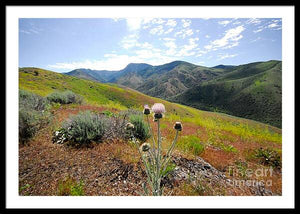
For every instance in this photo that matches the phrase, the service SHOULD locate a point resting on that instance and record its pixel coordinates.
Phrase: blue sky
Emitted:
(62, 45)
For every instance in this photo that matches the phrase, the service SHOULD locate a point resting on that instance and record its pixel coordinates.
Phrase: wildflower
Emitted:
(178, 126)
(146, 110)
(145, 147)
(158, 109)
(129, 126)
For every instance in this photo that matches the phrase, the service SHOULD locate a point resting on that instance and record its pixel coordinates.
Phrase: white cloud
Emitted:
(186, 23)
(159, 30)
(115, 62)
(229, 40)
(254, 21)
(170, 43)
(158, 21)
(134, 24)
(258, 30)
(169, 30)
(207, 36)
(184, 33)
(116, 19)
(171, 23)
(273, 25)
(144, 53)
(224, 23)
(189, 49)
(224, 56)
(32, 30)
(236, 23)
(25, 31)
(130, 41)
(201, 53)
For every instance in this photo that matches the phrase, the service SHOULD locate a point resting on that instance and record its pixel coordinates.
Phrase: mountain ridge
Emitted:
(183, 82)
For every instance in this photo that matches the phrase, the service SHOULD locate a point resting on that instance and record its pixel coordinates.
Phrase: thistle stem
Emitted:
(151, 133)
(167, 158)
(158, 157)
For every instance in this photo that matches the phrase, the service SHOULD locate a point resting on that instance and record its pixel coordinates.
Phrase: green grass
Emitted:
(191, 144)
(69, 187)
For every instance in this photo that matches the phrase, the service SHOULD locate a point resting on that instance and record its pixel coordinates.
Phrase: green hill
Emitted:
(85, 74)
(251, 91)
(44, 82)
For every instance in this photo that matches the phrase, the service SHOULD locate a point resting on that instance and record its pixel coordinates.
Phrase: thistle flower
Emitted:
(178, 126)
(129, 126)
(158, 109)
(145, 147)
(146, 110)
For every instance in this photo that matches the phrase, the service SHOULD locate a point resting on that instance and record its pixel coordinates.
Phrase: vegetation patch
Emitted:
(82, 129)
(65, 97)
(141, 130)
(191, 144)
(33, 114)
(268, 157)
(69, 187)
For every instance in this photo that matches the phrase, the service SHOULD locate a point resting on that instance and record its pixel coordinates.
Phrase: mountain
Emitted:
(167, 80)
(250, 91)
(95, 75)
(85, 74)
(161, 81)
(224, 66)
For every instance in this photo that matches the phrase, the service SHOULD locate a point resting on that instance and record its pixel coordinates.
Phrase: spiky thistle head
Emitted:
(146, 110)
(178, 126)
(158, 110)
(129, 126)
(145, 147)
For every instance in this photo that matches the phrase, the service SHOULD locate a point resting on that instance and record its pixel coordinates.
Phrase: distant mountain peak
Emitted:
(223, 66)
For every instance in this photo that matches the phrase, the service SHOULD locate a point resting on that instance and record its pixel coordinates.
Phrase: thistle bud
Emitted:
(145, 147)
(158, 116)
(129, 126)
(146, 110)
(178, 126)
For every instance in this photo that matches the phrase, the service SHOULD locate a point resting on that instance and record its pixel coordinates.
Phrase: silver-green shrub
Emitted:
(33, 114)
(141, 130)
(84, 128)
(65, 97)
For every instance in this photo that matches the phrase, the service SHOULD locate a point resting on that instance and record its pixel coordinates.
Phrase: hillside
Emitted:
(96, 75)
(113, 168)
(85, 74)
(161, 81)
(169, 79)
(251, 91)
(256, 87)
